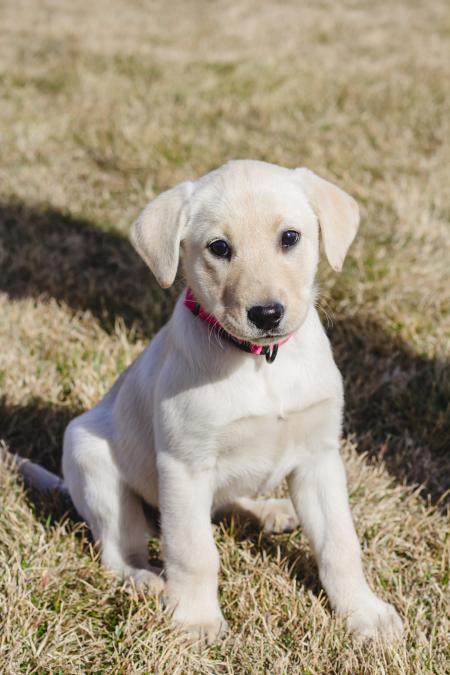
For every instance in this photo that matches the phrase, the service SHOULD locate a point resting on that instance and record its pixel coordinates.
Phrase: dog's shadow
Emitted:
(288, 549)
(397, 402)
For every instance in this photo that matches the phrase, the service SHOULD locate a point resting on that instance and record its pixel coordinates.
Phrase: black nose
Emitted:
(266, 316)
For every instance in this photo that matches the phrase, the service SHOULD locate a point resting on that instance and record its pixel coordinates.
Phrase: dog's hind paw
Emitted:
(147, 581)
(278, 515)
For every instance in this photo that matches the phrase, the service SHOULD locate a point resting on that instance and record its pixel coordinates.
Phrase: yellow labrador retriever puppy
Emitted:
(236, 393)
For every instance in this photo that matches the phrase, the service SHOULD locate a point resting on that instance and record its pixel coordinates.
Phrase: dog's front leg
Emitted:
(319, 493)
(190, 555)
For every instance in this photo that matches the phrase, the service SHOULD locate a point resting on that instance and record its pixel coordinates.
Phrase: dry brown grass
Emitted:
(103, 105)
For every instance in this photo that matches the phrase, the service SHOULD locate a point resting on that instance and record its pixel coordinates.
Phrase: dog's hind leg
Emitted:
(112, 510)
(273, 515)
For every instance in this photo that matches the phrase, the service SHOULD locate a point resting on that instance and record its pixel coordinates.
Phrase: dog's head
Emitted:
(250, 236)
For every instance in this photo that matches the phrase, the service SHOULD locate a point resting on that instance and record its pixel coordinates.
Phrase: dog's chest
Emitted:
(258, 446)
(256, 453)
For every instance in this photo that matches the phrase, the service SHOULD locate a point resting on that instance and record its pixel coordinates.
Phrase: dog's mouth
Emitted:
(264, 339)
(269, 338)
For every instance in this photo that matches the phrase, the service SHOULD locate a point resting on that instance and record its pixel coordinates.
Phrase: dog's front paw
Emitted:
(200, 624)
(205, 632)
(374, 618)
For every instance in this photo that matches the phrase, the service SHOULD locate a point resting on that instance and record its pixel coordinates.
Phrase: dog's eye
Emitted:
(220, 248)
(289, 238)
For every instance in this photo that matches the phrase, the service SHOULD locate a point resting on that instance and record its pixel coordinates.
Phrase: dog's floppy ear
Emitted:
(157, 233)
(337, 213)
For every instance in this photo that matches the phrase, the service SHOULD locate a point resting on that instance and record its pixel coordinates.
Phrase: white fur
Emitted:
(195, 426)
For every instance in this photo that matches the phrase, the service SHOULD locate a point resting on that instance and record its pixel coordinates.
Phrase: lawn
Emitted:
(103, 105)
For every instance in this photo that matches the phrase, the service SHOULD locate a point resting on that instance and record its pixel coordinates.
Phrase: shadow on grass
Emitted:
(398, 403)
(283, 547)
(35, 430)
(46, 253)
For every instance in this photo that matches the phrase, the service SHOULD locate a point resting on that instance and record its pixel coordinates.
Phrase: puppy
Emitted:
(237, 392)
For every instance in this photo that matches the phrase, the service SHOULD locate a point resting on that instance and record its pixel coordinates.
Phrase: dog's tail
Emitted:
(35, 476)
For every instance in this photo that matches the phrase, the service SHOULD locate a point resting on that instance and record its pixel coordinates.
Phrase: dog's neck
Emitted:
(269, 351)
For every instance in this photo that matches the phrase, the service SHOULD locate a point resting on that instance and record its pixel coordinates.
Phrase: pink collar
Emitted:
(269, 351)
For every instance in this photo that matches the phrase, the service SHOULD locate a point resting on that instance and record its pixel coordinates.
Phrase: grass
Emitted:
(102, 106)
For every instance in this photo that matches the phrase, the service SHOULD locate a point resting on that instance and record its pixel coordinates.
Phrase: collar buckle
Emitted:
(271, 353)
